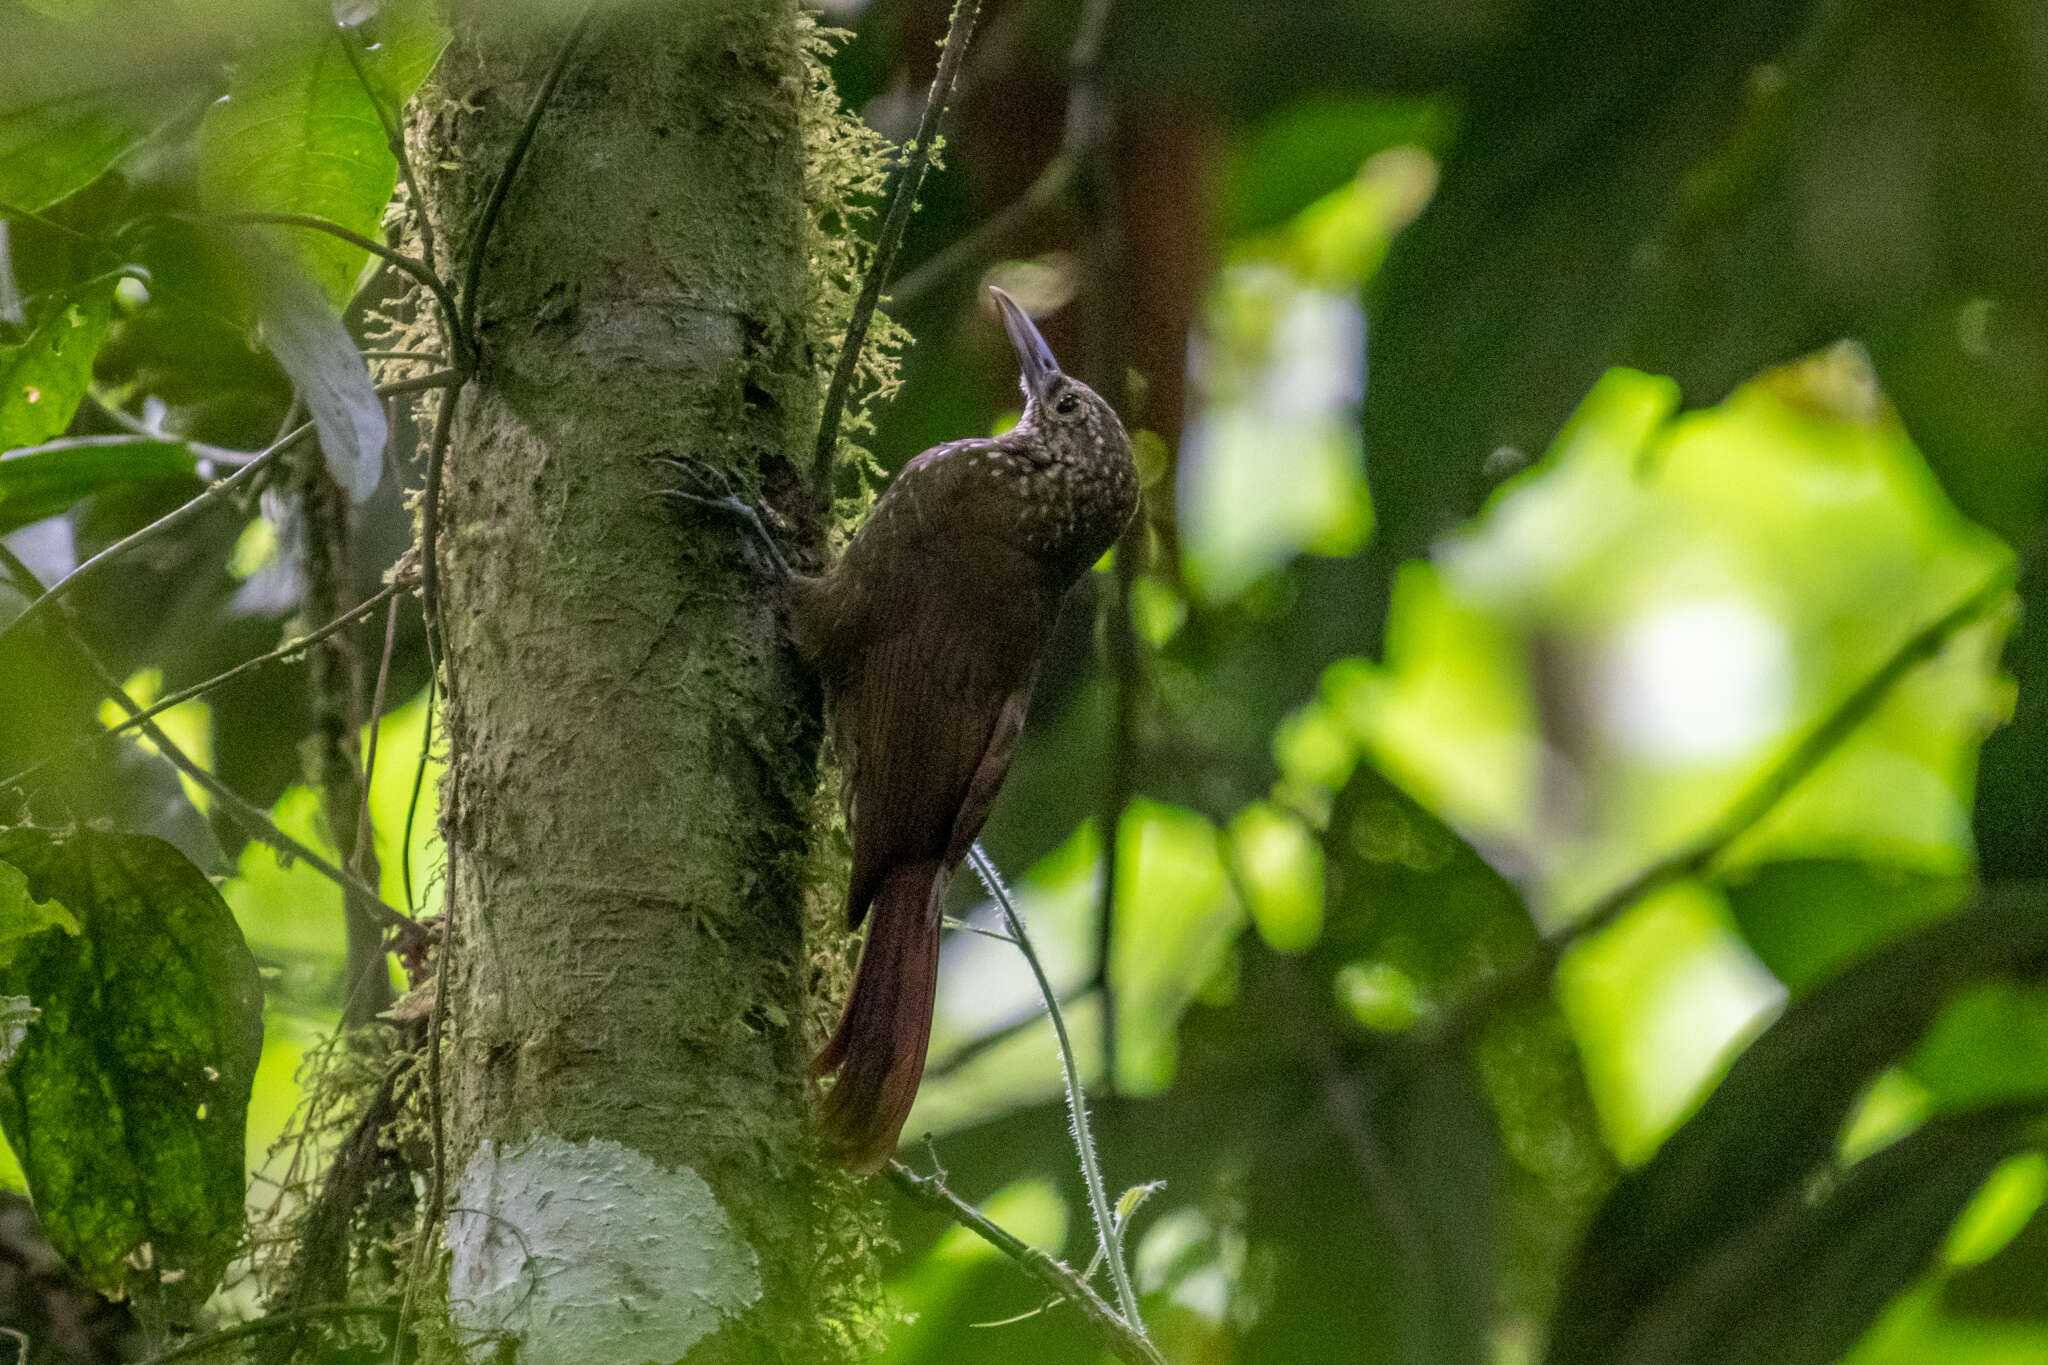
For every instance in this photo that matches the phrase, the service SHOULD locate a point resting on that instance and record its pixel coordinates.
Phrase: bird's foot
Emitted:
(702, 486)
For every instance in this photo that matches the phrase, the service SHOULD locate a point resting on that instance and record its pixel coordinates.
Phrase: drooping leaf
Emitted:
(297, 132)
(51, 150)
(44, 376)
(1803, 1283)
(303, 331)
(42, 481)
(127, 1100)
(1768, 1130)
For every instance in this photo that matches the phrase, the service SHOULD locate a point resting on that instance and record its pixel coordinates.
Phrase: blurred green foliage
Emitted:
(1582, 402)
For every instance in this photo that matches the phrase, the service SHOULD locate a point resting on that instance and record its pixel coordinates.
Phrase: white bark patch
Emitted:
(589, 1251)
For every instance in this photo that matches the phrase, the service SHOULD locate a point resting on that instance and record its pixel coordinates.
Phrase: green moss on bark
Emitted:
(629, 807)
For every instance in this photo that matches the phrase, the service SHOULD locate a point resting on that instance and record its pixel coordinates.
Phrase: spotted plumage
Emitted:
(927, 634)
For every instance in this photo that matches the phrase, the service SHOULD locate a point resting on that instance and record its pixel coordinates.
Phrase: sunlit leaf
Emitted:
(44, 376)
(297, 132)
(51, 150)
(126, 1102)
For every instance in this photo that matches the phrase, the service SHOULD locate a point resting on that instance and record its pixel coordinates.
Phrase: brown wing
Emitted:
(932, 707)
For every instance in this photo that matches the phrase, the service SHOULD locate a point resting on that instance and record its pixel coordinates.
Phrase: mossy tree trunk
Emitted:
(633, 749)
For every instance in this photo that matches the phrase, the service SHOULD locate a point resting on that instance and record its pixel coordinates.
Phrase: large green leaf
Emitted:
(297, 132)
(1768, 1131)
(44, 376)
(127, 1100)
(1703, 189)
(54, 149)
(44, 480)
(1805, 1281)
(1808, 918)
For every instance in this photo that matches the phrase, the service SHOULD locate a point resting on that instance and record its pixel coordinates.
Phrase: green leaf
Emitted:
(2011, 1285)
(51, 150)
(43, 378)
(127, 1101)
(1807, 1280)
(22, 916)
(1809, 918)
(44, 480)
(1767, 1132)
(297, 133)
(303, 331)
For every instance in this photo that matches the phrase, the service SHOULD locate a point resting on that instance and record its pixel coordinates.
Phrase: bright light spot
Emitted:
(1699, 681)
(35, 395)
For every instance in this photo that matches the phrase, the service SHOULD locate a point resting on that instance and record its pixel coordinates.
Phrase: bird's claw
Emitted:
(713, 491)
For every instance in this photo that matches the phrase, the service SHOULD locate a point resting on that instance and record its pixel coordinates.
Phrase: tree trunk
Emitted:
(633, 748)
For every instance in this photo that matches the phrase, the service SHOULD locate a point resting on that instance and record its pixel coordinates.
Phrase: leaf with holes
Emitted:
(126, 1103)
(44, 376)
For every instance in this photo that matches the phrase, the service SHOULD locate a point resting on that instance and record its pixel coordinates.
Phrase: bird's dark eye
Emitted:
(1068, 402)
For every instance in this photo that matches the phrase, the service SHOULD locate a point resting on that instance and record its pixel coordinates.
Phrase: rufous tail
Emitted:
(878, 1049)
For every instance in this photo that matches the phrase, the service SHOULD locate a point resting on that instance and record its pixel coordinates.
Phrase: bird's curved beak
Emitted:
(1035, 358)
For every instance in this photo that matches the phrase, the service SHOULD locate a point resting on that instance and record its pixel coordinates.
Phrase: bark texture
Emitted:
(633, 747)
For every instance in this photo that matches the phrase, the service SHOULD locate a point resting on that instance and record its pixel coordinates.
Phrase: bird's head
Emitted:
(1066, 414)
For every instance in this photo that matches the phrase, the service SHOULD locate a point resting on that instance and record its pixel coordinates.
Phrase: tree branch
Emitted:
(1125, 1342)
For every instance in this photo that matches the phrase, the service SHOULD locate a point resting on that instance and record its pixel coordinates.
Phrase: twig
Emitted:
(1747, 810)
(419, 270)
(177, 517)
(439, 379)
(334, 686)
(183, 695)
(488, 219)
(986, 239)
(1052, 183)
(394, 138)
(184, 512)
(258, 825)
(430, 533)
(1125, 1342)
(412, 806)
(958, 31)
(1106, 363)
(137, 435)
(1001, 1033)
(437, 1177)
(275, 1322)
(365, 835)
(1107, 1235)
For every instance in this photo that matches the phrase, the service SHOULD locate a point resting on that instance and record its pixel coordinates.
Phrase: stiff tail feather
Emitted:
(878, 1049)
